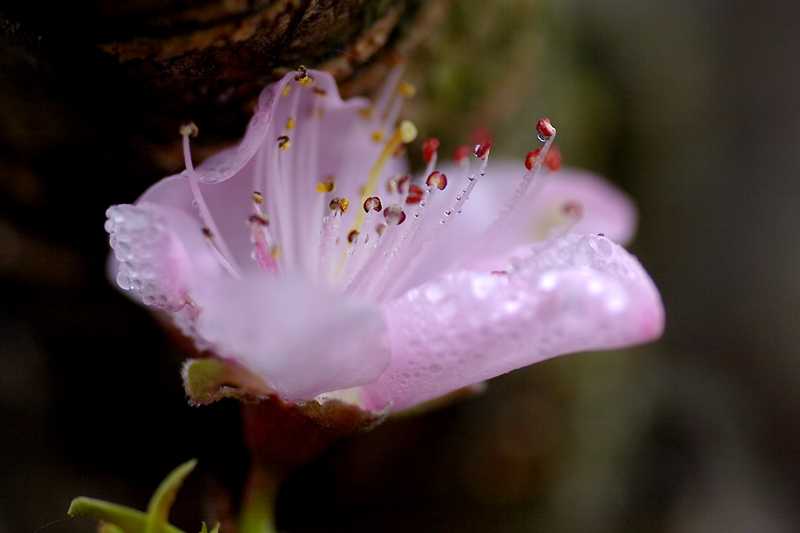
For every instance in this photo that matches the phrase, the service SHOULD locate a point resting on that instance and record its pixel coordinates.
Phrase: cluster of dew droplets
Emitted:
(384, 247)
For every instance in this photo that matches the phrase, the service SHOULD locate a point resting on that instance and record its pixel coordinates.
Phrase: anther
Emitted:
(320, 92)
(283, 142)
(482, 150)
(189, 129)
(352, 236)
(572, 209)
(437, 179)
(260, 220)
(398, 183)
(545, 129)
(377, 135)
(552, 159)
(408, 131)
(207, 233)
(461, 153)
(329, 185)
(372, 203)
(303, 78)
(394, 215)
(258, 198)
(429, 149)
(286, 90)
(290, 124)
(406, 89)
(339, 205)
(415, 193)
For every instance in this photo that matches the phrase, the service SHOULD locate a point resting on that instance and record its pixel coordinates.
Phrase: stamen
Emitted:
(437, 179)
(330, 236)
(489, 236)
(209, 235)
(415, 193)
(545, 129)
(258, 198)
(283, 142)
(329, 185)
(303, 78)
(223, 254)
(461, 154)
(291, 123)
(394, 215)
(352, 236)
(372, 203)
(405, 133)
(482, 150)
(429, 148)
(573, 213)
(265, 252)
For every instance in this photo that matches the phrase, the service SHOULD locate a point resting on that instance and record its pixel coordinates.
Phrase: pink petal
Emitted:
(302, 338)
(571, 294)
(158, 253)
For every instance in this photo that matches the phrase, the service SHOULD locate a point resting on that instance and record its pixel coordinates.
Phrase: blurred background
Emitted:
(691, 106)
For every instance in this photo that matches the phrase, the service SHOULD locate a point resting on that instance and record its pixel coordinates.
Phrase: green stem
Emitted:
(258, 506)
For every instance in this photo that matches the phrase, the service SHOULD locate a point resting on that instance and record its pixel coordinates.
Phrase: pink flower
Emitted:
(307, 255)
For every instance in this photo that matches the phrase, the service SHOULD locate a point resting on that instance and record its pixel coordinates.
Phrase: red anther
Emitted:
(415, 193)
(481, 135)
(394, 214)
(553, 158)
(530, 159)
(373, 203)
(461, 153)
(403, 183)
(483, 150)
(259, 220)
(572, 209)
(544, 127)
(429, 149)
(437, 179)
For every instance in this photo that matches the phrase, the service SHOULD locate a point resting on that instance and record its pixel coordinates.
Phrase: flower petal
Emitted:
(302, 338)
(156, 253)
(571, 294)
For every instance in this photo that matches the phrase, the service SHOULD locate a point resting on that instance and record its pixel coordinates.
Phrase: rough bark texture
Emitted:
(145, 66)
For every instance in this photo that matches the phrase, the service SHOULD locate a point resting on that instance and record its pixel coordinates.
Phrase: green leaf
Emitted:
(164, 497)
(116, 517)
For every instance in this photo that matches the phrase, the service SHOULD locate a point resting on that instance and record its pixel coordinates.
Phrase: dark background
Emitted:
(692, 107)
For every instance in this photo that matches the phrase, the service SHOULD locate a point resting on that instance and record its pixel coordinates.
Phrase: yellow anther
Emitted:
(276, 252)
(290, 124)
(286, 90)
(329, 185)
(305, 81)
(283, 142)
(408, 131)
(189, 129)
(366, 112)
(339, 204)
(258, 198)
(377, 135)
(406, 89)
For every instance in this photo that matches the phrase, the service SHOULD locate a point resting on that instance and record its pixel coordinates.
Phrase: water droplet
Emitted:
(542, 138)
(123, 281)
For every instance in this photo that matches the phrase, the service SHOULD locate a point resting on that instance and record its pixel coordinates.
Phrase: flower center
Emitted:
(304, 223)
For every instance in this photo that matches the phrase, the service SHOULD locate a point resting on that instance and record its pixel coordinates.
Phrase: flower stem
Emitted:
(258, 505)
